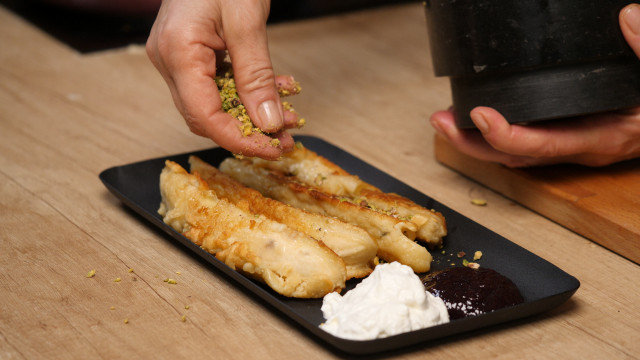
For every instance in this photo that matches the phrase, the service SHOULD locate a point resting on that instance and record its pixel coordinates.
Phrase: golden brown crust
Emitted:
(393, 235)
(350, 242)
(291, 263)
(311, 169)
(432, 226)
(314, 170)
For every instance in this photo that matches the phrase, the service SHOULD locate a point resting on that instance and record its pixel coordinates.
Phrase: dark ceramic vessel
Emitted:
(533, 59)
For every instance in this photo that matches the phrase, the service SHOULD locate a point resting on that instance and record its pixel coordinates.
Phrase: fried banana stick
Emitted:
(350, 242)
(393, 235)
(290, 262)
(314, 170)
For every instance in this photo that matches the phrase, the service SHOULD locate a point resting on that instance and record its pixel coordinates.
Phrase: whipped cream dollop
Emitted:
(392, 300)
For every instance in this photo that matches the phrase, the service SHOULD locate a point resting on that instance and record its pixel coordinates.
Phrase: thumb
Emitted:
(246, 40)
(630, 25)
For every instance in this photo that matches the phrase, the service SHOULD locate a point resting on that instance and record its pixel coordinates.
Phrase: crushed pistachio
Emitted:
(178, 272)
(474, 265)
(186, 307)
(274, 142)
(126, 321)
(465, 262)
(91, 273)
(294, 91)
(287, 106)
(299, 145)
(112, 308)
(130, 270)
(461, 254)
(117, 279)
(171, 281)
(231, 102)
(477, 255)
(443, 252)
(479, 202)
(233, 106)
(183, 318)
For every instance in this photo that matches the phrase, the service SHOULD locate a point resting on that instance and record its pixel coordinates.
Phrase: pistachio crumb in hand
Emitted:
(233, 106)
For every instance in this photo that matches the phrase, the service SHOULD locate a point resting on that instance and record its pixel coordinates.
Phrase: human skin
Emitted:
(595, 140)
(188, 38)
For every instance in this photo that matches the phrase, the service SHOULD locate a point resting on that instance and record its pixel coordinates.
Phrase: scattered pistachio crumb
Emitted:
(461, 254)
(477, 255)
(186, 307)
(473, 265)
(443, 252)
(299, 145)
(165, 280)
(183, 318)
(479, 202)
(91, 273)
(117, 279)
(274, 142)
(112, 308)
(465, 262)
(130, 270)
(178, 272)
(453, 264)
(171, 281)
(126, 321)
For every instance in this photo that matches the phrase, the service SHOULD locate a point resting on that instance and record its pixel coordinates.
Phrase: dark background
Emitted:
(88, 30)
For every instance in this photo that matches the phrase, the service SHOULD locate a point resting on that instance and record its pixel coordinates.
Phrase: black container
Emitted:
(533, 59)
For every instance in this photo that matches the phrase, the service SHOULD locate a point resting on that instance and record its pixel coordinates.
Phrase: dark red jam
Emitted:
(468, 292)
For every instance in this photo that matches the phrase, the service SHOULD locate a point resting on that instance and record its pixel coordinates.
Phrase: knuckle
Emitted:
(258, 76)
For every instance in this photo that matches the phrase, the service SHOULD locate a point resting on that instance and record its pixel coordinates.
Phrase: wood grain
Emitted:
(367, 87)
(602, 204)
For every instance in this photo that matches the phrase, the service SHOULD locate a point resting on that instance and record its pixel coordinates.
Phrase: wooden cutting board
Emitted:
(601, 204)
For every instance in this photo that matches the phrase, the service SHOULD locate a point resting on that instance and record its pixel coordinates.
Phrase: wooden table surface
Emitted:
(367, 87)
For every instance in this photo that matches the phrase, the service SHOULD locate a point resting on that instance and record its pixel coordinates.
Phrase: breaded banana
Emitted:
(393, 235)
(314, 170)
(290, 262)
(351, 243)
(431, 225)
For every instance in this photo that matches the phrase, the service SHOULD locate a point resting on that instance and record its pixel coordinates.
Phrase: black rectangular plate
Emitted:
(542, 284)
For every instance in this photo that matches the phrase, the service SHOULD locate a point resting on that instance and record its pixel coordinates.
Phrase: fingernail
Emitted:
(436, 125)
(631, 16)
(481, 122)
(270, 116)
